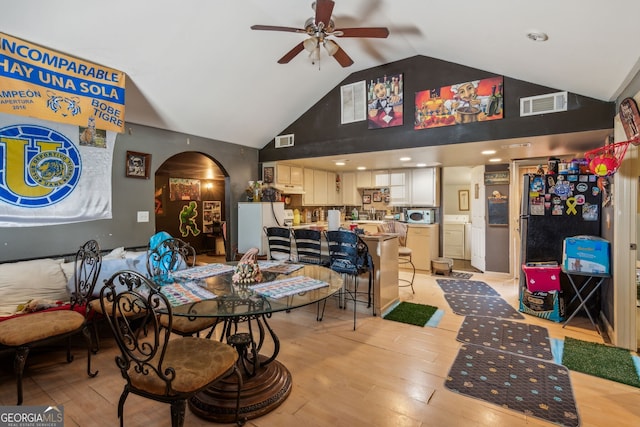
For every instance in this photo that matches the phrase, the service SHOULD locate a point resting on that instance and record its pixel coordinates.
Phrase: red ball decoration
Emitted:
(604, 165)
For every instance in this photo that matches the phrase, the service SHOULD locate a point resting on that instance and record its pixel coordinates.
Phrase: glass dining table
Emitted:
(244, 311)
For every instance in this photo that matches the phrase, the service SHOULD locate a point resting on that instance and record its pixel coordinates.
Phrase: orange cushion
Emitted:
(34, 327)
(197, 362)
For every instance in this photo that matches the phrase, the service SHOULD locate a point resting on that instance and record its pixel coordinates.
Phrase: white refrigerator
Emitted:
(252, 218)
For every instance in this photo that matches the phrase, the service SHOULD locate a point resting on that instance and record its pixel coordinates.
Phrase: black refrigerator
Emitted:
(553, 208)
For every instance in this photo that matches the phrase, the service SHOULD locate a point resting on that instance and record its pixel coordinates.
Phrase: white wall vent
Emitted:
(543, 104)
(284, 141)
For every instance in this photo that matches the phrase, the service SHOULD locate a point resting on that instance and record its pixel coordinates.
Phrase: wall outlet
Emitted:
(143, 216)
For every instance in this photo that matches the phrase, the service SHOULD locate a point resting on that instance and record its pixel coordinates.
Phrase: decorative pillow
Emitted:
(109, 268)
(69, 269)
(117, 253)
(134, 254)
(26, 280)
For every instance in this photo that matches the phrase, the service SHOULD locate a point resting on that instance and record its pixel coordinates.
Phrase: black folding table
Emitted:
(589, 278)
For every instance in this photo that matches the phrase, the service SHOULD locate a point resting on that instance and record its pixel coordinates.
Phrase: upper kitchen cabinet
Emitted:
(349, 190)
(288, 179)
(283, 174)
(380, 179)
(333, 196)
(399, 187)
(308, 198)
(364, 179)
(425, 191)
(320, 187)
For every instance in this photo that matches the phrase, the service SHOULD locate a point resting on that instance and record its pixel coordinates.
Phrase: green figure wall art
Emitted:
(188, 216)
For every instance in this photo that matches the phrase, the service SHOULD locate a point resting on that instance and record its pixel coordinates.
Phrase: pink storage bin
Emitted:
(542, 278)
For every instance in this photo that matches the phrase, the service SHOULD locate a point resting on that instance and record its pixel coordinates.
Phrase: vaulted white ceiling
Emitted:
(195, 66)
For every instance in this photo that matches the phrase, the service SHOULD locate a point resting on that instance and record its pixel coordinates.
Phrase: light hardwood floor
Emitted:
(383, 374)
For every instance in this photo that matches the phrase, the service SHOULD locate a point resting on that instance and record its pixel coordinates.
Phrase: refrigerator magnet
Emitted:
(582, 187)
(580, 199)
(590, 212)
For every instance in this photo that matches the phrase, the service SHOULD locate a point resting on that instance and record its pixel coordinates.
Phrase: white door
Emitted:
(515, 203)
(478, 218)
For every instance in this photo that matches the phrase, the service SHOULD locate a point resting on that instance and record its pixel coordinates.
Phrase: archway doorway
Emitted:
(190, 194)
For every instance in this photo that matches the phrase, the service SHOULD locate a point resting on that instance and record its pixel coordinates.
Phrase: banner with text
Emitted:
(53, 173)
(49, 85)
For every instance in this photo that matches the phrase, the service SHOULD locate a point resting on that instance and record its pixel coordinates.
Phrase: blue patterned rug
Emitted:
(531, 386)
(515, 337)
(467, 287)
(476, 305)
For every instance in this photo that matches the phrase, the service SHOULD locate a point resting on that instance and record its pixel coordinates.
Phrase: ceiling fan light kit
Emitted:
(319, 28)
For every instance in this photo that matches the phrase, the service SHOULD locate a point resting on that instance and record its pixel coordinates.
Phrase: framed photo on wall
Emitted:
(366, 199)
(268, 175)
(137, 165)
(463, 200)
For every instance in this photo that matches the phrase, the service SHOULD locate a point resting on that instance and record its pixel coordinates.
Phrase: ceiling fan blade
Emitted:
(342, 57)
(324, 9)
(374, 32)
(275, 28)
(291, 54)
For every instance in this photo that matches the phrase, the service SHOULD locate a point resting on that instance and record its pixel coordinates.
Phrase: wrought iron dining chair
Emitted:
(404, 253)
(153, 365)
(171, 255)
(25, 332)
(350, 256)
(279, 240)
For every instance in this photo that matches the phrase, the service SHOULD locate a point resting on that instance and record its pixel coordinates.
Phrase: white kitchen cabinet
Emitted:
(380, 178)
(364, 179)
(296, 176)
(399, 188)
(424, 187)
(349, 190)
(320, 187)
(283, 174)
(308, 196)
(424, 243)
(333, 197)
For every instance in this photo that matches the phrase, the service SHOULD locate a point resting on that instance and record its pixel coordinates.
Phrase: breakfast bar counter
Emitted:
(383, 248)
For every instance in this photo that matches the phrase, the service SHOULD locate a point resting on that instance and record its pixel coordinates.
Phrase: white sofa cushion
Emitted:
(26, 280)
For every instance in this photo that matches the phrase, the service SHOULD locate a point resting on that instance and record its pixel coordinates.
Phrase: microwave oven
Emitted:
(420, 216)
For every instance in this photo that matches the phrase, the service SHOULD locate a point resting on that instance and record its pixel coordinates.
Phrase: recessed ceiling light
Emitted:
(495, 160)
(488, 152)
(421, 165)
(340, 163)
(405, 159)
(361, 168)
(537, 36)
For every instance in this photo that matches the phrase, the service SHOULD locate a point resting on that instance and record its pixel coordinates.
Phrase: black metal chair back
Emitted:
(349, 255)
(279, 239)
(309, 246)
(153, 365)
(87, 266)
(170, 255)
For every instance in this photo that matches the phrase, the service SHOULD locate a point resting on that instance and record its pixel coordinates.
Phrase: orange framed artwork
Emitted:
(461, 103)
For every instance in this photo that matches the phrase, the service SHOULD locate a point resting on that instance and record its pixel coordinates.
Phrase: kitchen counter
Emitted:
(383, 248)
(421, 225)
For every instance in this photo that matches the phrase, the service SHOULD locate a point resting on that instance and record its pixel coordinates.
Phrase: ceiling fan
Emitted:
(319, 28)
